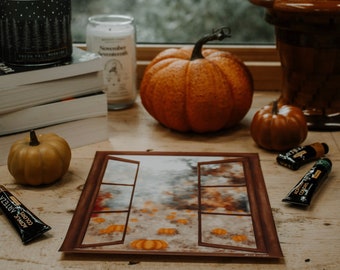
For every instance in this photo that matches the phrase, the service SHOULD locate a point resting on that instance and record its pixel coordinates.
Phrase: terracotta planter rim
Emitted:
(319, 6)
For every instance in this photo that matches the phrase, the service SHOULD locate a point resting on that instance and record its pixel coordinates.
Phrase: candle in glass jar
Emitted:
(113, 37)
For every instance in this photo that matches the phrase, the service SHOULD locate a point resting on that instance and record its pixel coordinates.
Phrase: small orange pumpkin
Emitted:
(197, 90)
(279, 127)
(149, 244)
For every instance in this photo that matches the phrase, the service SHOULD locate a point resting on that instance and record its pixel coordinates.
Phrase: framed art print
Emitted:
(167, 203)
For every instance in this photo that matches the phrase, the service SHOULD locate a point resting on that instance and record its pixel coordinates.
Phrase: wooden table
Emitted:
(310, 238)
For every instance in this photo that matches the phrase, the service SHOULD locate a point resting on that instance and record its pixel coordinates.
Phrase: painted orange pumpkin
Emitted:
(197, 90)
(239, 238)
(98, 219)
(149, 244)
(279, 127)
(167, 231)
(219, 231)
(182, 221)
(114, 228)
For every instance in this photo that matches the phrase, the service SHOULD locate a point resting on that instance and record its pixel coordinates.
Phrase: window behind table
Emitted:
(179, 21)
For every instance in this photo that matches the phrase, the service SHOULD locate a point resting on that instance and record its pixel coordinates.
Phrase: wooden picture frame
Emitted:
(174, 204)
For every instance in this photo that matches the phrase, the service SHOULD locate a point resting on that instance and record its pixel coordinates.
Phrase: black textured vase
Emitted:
(35, 32)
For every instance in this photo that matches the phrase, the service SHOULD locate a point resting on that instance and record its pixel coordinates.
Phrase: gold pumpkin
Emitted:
(197, 90)
(39, 160)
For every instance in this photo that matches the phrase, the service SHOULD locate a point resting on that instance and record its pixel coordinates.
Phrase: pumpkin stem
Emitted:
(218, 34)
(33, 139)
(275, 108)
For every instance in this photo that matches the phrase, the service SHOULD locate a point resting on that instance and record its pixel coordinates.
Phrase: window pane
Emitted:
(180, 21)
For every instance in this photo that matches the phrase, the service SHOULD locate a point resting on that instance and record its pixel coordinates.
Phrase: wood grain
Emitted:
(309, 238)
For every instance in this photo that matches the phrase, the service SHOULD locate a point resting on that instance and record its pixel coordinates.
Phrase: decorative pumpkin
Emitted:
(219, 231)
(239, 238)
(167, 231)
(114, 228)
(149, 244)
(197, 90)
(279, 127)
(39, 160)
(182, 221)
(99, 219)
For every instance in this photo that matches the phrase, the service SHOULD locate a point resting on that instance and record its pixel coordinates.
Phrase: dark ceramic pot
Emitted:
(308, 40)
(35, 32)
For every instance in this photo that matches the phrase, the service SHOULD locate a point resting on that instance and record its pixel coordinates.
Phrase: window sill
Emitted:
(263, 61)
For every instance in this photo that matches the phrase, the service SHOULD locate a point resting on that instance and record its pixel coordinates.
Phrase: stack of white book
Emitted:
(66, 99)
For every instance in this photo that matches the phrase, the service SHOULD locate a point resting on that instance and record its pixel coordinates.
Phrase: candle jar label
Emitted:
(118, 66)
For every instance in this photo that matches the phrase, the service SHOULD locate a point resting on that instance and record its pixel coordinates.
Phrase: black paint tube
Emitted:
(303, 192)
(28, 225)
(296, 157)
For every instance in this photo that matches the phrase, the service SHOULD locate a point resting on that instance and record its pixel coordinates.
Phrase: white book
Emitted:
(82, 62)
(77, 133)
(15, 98)
(54, 113)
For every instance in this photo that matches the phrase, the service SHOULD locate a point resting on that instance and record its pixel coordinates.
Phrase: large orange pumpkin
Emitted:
(197, 90)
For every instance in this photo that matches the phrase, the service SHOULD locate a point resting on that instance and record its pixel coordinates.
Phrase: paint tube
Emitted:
(296, 157)
(303, 192)
(28, 225)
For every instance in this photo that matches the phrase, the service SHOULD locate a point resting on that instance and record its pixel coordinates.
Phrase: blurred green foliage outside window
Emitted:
(179, 21)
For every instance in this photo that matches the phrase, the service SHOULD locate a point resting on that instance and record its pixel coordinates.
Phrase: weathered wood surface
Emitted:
(310, 238)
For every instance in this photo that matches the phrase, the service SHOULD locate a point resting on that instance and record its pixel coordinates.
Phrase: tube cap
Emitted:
(325, 147)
